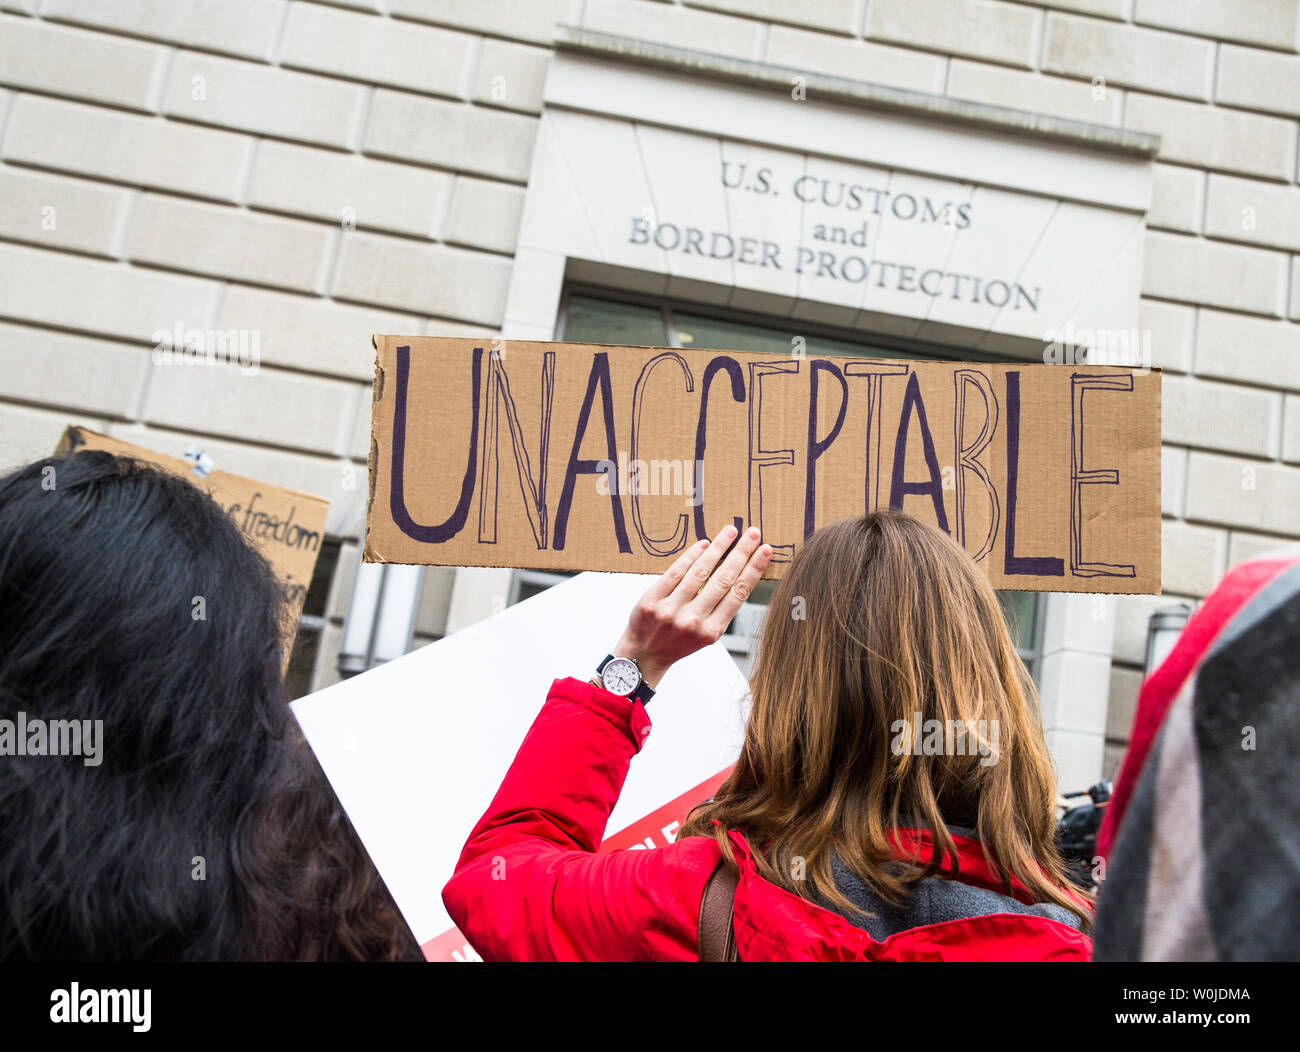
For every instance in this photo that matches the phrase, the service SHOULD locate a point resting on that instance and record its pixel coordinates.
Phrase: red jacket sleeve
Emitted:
(530, 885)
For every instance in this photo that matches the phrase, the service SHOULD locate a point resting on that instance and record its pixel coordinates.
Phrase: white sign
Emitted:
(416, 748)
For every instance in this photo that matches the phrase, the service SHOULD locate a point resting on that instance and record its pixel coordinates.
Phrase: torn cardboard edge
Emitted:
(372, 457)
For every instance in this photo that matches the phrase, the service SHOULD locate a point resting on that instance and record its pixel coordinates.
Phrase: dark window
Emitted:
(311, 625)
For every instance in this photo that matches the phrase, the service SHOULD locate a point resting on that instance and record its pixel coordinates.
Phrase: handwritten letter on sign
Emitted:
(585, 457)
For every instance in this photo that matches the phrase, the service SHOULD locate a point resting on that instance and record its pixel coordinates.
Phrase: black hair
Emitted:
(206, 831)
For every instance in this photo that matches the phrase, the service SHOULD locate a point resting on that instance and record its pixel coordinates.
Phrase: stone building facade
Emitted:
(301, 174)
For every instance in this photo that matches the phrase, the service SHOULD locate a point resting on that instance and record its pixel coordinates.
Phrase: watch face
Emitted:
(621, 676)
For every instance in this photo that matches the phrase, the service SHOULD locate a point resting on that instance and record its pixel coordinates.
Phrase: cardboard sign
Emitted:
(416, 748)
(578, 456)
(285, 526)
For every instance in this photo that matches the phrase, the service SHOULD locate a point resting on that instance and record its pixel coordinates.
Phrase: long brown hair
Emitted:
(881, 624)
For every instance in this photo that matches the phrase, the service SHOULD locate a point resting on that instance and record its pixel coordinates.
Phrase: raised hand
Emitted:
(691, 604)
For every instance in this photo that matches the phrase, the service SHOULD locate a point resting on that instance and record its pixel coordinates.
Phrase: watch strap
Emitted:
(643, 693)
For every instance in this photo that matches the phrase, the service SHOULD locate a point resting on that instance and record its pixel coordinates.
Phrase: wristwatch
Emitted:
(621, 676)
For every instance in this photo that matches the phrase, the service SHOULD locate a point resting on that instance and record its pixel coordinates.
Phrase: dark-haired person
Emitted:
(849, 838)
(202, 829)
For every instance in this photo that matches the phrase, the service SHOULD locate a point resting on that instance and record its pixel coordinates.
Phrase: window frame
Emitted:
(314, 625)
(669, 306)
(1033, 655)
(536, 578)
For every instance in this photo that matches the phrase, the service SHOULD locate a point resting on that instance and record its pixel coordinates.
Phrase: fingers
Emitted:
(734, 598)
(669, 579)
(702, 567)
(727, 574)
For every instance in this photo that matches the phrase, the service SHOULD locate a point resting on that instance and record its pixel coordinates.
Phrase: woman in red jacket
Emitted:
(893, 799)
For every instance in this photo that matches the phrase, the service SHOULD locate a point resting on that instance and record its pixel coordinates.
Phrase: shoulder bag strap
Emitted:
(717, 936)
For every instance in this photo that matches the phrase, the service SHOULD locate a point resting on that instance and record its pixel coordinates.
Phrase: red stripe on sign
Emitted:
(657, 829)
(451, 945)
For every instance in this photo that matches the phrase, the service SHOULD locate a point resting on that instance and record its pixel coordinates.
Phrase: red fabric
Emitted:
(1163, 685)
(529, 885)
